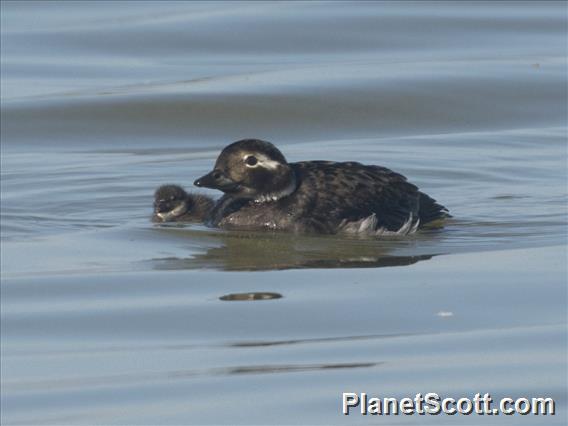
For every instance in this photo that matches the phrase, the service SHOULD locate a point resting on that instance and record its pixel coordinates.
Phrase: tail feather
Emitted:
(429, 210)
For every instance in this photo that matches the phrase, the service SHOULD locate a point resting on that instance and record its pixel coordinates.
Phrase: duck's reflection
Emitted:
(240, 251)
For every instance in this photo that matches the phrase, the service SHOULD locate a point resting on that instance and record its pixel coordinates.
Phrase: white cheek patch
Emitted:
(263, 161)
(179, 210)
(269, 164)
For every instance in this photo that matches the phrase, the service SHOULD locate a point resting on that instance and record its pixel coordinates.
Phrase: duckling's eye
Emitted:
(251, 160)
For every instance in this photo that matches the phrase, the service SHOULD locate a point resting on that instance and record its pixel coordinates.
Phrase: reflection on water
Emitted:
(178, 375)
(264, 343)
(248, 297)
(260, 251)
(264, 369)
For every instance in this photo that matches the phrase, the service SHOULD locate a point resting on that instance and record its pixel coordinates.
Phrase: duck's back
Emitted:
(333, 197)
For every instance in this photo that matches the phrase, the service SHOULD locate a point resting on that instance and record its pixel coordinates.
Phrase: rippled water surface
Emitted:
(107, 318)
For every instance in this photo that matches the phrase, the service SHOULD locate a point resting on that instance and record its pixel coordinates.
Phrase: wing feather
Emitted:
(351, 192)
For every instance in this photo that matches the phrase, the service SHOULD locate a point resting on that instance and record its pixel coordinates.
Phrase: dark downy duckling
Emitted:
(173, 204)
(264, 191)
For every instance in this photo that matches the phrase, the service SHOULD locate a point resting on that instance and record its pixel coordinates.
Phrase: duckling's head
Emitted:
(170, 202)
(251, 168)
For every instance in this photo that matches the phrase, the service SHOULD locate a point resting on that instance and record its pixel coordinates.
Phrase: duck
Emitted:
(263, 191)
(173, 204)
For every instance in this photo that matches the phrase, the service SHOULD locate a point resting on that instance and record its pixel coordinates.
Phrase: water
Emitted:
(107, 318)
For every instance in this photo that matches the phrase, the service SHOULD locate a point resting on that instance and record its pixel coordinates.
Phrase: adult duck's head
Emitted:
(253, 169)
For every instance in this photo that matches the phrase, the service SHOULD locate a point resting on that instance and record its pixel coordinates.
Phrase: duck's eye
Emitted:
(251, 160)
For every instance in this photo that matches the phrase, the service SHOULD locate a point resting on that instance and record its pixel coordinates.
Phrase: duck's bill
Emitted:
(217, 180)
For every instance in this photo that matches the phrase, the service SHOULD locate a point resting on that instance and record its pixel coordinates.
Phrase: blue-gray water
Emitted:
(107, 318)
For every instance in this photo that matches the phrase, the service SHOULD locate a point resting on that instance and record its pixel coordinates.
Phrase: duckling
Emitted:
(173, 204)
(263, 191)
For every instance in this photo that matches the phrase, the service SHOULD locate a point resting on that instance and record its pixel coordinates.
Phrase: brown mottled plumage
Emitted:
(173, 204)
(264, 191)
